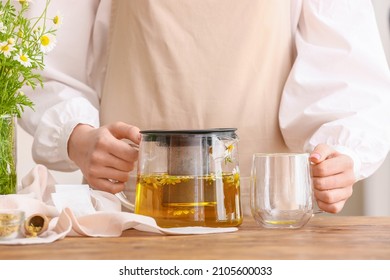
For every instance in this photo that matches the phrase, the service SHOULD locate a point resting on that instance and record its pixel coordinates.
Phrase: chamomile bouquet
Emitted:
(25, 40)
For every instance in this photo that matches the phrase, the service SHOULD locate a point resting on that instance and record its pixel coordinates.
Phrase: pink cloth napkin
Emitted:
(107, 219)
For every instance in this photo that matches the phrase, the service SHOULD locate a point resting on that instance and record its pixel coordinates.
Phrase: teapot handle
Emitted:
(121, 195)
(124, 201)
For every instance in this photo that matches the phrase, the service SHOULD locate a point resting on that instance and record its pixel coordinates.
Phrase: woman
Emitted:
(290, 75)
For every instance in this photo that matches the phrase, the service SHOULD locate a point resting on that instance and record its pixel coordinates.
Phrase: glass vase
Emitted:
(8, 183)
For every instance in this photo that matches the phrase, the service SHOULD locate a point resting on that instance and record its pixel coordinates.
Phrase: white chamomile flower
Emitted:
(23, 59)
(24, 2)
(6, 48)
(48, 42)
(3, 28)
(11, 41)
(58, 19)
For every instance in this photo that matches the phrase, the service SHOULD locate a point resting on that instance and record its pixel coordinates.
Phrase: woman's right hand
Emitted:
(103, 158)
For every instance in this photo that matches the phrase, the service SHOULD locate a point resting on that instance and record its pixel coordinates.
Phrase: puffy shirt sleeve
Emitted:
(338, 91)
(71, 81)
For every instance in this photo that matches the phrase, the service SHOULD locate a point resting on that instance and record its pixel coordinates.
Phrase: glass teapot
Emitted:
(189, 178)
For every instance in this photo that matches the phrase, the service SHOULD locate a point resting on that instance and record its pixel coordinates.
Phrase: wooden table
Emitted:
(324, 237)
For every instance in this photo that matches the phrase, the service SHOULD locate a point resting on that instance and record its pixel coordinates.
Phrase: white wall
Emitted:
(377, 187)
(371, 197)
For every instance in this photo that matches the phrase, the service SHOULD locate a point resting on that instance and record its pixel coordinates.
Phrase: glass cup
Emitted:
(11, 221)
(281, 190)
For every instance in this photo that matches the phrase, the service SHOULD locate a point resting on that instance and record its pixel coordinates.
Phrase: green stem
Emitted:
(8, 155)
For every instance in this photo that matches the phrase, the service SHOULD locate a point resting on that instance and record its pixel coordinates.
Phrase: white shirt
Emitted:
(340, 62)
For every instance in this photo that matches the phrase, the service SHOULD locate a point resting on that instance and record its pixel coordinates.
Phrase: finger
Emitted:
(106, 185)
(333, 195)
(122, 130)
(332, 166)
(124, 152)
(331, 207)
(322, 152)
(111, 173)
(334, 182)
(109, 145)
(101, 170)
(120, 164)
(101, 157)
(121, 149)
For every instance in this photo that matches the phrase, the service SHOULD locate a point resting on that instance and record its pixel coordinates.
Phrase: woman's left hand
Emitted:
(333, 178)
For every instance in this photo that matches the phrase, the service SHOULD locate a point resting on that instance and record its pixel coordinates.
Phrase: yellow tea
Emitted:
(178, 201)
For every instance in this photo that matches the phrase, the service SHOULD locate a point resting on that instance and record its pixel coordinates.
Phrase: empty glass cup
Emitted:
(281, 190)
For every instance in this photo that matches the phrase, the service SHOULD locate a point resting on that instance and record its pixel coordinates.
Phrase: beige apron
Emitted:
(185, 64)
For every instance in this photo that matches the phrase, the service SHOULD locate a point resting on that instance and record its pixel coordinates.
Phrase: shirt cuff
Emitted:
(50, 146)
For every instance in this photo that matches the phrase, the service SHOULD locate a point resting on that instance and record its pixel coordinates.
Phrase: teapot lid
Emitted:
(211, 131)
(183, 137)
